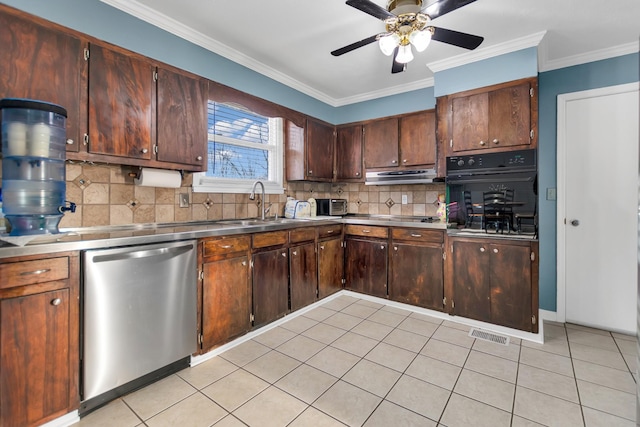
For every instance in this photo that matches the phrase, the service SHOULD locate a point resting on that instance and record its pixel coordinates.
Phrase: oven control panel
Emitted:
(508, 160)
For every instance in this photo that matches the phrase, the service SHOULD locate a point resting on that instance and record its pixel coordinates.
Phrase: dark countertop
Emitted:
(140, 234)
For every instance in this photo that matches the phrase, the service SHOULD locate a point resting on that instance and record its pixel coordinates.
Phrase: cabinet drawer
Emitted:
(329, 231)
(367, 231)
(226, 245)
(417, 234)
(273, 238)
(38, 271)
(302, 234)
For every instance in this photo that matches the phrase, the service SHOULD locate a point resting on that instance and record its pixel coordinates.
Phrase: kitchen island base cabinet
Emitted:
(39, 339)
(495, 281)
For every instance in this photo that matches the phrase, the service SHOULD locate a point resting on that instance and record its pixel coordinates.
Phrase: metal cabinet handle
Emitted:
(56, 301)
(244, 263)
(393, 162)
(329, 231)
(366, 231)
(395, 248)
(381, 246)
(322, 247)
(199, 158)
(144, 151)
(357, 173)
(495, 141)
(416, 235)
(70, 141)
(481, 249)
(404, 161)
(226, 246)
(310, 172)
(495, 251)
(482, 142)
(29, 273)
(284, 254)
(295, 253)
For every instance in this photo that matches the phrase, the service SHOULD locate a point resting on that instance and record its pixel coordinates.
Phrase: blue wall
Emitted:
(610, 72)
(106, 23)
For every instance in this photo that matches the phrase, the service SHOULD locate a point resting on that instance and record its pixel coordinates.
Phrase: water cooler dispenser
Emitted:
(33, 165)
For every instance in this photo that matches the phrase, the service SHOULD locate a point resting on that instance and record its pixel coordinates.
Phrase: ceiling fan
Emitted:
(407, 24)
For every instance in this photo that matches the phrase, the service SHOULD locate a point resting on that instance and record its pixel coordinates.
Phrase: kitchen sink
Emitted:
(257, 221)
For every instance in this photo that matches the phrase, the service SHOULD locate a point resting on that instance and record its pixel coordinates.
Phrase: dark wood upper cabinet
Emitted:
(381, 143)
(182, 118)
(496, 118)
(295, 152)
(42, 63)
(121, 104)
(349, 153)
(320, 145)
(418, 139)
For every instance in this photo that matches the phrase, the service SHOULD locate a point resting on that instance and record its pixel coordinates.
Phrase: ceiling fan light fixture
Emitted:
(404, 54)
(420, 39)
(388, 43)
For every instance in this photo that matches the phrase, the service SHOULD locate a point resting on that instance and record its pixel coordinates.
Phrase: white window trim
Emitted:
(205, 184)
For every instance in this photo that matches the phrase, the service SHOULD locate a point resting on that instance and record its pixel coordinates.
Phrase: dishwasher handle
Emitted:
(145, 253)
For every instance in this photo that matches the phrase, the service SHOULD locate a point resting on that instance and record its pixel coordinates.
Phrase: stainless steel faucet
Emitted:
(252, 196)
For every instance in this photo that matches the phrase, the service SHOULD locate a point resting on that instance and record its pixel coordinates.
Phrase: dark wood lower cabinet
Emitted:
(366, 266)
(226, 300)
(303, 275)
(330, 266)
(416, 275)
(495, 281)
(270, 285)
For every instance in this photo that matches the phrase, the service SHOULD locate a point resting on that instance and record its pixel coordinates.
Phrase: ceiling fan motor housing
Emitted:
(399, 7)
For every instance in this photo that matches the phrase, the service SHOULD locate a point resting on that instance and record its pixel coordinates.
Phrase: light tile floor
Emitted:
(355, 362)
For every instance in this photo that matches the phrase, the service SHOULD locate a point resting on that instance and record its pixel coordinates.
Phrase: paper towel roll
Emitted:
(158, 178)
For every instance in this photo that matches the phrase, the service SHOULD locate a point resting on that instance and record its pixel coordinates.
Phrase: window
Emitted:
(243, 147)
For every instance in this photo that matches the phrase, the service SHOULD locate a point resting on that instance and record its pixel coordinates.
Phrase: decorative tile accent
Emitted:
(389, 202)
(82, 182)
(208, 203)
(133, 204)
(339, 191)
(358, 202)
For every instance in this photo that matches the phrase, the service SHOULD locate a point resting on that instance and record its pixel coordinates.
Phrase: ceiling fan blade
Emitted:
(442, 7)
(456, 38)
(397, 67)
(354, 46)
(371, 8)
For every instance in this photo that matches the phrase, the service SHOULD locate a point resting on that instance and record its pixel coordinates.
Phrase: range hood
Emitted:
(416, 176)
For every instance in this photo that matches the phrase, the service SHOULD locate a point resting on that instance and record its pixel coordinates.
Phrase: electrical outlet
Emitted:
(404, 199)
(551, 193)
(184, 200)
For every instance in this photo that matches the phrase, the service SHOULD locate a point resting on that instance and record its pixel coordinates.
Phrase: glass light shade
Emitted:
(420, 39)
(388, 43)
(404, 54)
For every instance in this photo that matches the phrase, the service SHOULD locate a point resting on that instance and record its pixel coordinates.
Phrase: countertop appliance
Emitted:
(139, 317)
(333, 207)
(394, 177)
(492, 172)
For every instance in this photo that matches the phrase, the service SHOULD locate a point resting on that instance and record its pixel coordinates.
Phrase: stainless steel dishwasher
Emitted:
(139, 317)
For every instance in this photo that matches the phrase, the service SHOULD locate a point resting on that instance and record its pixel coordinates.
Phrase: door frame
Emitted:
(563, 100)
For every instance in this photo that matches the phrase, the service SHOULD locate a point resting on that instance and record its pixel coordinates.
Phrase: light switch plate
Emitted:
(404, 199)
(184, 200)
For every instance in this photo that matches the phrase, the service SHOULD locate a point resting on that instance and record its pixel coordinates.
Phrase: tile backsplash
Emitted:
(106, 195)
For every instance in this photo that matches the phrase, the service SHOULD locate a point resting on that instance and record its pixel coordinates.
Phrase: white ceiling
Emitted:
(291, 40)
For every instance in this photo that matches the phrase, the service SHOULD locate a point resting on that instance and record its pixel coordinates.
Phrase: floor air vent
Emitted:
(488, 336)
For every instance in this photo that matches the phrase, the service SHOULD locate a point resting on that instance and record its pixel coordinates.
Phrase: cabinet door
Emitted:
(381, 143)
(366, 266)
(226, 300)
(320, 149)
(471, 280)
(510, 116)
(418, 139)
(303, 274)
(294, 151)
(416, 275)
(330, 266)
(121, 104)
(182, 119)
(34, 343)
(470, 122)
(511, 286)
(270, 285)
(349, 153)
(48, 65)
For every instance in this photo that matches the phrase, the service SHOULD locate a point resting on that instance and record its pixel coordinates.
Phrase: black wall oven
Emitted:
(473, 175)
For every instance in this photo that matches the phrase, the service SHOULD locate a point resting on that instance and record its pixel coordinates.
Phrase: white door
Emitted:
(597, 207)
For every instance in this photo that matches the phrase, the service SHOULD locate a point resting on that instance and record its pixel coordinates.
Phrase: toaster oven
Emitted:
(333, 207)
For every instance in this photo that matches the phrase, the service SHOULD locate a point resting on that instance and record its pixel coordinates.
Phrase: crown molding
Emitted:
(544, 64)
(532, 40)
(394, 90)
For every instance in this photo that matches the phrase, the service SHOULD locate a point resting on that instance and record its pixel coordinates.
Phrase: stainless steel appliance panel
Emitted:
(140, 308)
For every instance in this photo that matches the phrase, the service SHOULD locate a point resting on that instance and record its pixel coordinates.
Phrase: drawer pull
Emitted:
(330, 231)
(29, 273)
(481, 249)
(244, 263)
(416, 235)
(381, 246)
(56, 301)
(322, 247)
(284, 254)
(295, 253)
(495, 251)
(366, 231)
(226, 246)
